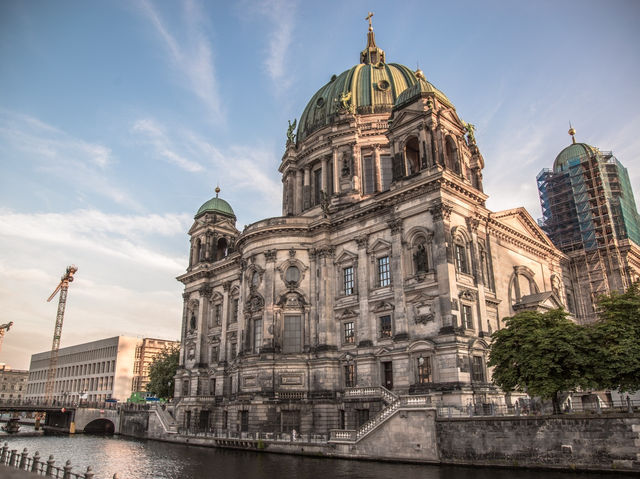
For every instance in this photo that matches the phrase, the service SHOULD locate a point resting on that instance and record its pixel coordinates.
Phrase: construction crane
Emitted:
(3, 329)
(63, 286)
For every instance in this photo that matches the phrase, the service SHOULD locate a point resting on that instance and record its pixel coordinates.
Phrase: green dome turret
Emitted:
(216, 205)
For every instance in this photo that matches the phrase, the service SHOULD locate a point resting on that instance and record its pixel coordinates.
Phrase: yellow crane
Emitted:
(63, 286)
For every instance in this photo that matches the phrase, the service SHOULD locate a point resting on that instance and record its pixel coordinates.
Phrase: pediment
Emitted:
(347, 313)
(379, 245)
(520, 220)
(382, 306)
(346, 257)
(545, 301)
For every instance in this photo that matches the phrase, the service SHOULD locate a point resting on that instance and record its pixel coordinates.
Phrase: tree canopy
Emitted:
(541, 354)
(544, 354)
(161, 372)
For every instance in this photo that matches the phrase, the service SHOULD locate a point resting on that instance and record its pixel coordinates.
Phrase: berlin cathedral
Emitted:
(385, 275)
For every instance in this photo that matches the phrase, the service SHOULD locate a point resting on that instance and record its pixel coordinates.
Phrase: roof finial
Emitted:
(572, 132)
(371, 54)
(368, 17)
(217, 190)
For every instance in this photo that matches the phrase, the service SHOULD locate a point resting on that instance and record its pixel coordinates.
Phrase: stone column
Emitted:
(481, 306)
(422, 138)
(364, 334)
(357, 167)
(268, 318)
(445, 269)
(325, 175)
(306, 189)
(226, 286)
(204, 292)
(314, 326)
(326, 335)
(336, 171)
(298, 192)
(185, 320)
(377, 167)
(397, 278)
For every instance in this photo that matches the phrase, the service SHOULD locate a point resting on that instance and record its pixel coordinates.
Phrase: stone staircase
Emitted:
(393, 403)
(168, 422)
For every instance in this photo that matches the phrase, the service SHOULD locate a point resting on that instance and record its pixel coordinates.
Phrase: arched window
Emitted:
(222, 249)
(197, 249)
(461, 255)
(453, 161)
(412, 154)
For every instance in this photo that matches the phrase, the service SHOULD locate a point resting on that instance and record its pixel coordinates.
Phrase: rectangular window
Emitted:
(217, 314)
(214, 354)
(349, 376)
(384, 274)
(424, 370)
(348, 282)
(329, 178)
(385, 326)
(386, 172)
(292, 340)
(234, 311)
(212, 386)
(317, 186)
(349, 333)
(467, 316)
(477, 369)
(369, 174)
(461, 259)
(257, 335)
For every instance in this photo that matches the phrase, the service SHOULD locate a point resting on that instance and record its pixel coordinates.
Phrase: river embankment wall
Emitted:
(608, 442)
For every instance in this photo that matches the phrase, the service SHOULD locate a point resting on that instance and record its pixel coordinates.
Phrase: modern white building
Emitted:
(93, 371)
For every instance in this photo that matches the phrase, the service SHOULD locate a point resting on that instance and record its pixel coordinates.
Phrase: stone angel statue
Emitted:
(291, 136)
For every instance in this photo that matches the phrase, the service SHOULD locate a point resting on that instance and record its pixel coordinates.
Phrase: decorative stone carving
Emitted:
(205, 291)
(467, 294)
(270, 255)
(395, 225)
(292, 253)
(362, 241)
(441, 211)
(254, 304)
(472, 224)
(454, 304)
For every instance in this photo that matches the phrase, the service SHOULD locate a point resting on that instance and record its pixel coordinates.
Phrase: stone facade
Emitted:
(386, 268)
(13, 383)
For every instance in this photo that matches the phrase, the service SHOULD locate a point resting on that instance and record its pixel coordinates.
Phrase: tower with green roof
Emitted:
(589, 212)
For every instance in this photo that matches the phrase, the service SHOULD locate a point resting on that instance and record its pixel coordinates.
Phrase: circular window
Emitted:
(383, 85)
(320, 102)
(292, 274)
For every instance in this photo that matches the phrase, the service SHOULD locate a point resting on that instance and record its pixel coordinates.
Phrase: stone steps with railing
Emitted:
(168, 422)
(394, 403)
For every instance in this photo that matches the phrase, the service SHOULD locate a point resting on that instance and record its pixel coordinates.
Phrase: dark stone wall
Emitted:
(586, 441)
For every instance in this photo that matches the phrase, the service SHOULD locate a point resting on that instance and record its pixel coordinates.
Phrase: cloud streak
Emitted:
(191, 56)
(57, 154)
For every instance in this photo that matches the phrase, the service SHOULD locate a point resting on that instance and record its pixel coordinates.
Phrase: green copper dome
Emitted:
(373, 86)
(216, 205)
(571, 152)
(421, 89)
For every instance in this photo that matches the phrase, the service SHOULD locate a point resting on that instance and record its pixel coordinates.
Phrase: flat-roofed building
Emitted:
(146, 352)
(13, 383)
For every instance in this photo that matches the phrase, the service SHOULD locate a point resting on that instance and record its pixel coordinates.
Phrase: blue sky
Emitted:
(118, 118)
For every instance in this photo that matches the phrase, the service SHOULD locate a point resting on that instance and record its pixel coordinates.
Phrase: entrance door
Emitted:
(387, 378)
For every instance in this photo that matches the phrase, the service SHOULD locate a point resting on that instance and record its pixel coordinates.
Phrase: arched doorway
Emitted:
(100, 426)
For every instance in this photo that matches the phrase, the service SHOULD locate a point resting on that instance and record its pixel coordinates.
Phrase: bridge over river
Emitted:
(70, 418)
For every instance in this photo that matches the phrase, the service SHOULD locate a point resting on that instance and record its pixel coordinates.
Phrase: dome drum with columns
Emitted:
(385, 272)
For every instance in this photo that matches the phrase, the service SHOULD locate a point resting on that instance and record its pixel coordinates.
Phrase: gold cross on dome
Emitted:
(368, 17)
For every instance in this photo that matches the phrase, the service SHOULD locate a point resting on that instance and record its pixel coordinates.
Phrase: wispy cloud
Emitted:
(281, 15)
(189, 54)
(95, 232)
(157, 136)
(60, 155)
(237, 166)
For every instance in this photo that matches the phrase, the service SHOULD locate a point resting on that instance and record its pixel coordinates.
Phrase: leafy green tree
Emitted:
(161, 372)
(542, 354)
(615, 339)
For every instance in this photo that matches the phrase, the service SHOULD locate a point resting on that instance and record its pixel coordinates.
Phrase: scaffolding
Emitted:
(587, 205)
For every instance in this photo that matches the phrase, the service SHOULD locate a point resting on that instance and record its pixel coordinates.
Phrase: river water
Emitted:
(137, 459)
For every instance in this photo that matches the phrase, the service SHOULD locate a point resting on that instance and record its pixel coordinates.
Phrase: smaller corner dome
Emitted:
(572, 152)
(216, 205)
(422, 88)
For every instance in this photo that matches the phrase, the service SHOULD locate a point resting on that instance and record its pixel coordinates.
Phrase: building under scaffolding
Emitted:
(589, 212)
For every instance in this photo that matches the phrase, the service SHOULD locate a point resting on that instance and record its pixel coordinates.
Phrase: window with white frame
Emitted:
(348, 282)
(467, 316)
(424, 370)
(349, 336)
(384, 271)
(257, 335)
(385, 326)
